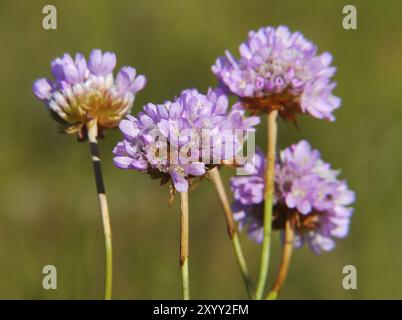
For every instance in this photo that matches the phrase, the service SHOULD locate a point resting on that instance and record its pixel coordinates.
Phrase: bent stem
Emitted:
(184, 229)
(285, 260)
(92, 130)
(268, 201)
(216, 179)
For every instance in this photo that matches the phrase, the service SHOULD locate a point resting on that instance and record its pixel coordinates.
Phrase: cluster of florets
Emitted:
(307, 191)
(83, 91)
(181, 139)
(280, 70)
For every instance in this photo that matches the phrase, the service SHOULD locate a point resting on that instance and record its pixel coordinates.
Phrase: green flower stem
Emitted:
(216, 179)
(92, 130)
(184, 230)
(268, 203)
(285, 260)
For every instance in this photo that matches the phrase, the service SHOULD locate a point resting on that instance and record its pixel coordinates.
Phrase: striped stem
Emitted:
(92, 130)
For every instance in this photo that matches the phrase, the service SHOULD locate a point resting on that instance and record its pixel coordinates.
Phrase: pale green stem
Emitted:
(184, 230)
(268, 201)
(216, 179)
(285, 260)
(100, 188)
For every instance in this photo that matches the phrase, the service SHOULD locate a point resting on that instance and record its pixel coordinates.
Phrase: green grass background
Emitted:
(48, 206)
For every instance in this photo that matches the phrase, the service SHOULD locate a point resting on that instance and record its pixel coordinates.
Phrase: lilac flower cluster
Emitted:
(182, 139)
(306, 190)
(280, 70)
(83, 91)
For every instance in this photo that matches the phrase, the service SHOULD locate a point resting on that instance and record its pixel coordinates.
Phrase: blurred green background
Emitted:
(48, 206)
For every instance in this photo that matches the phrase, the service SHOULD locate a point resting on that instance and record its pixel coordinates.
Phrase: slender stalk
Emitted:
(216, 179)
(285, 260)
(268, 201)
(100, 188)
(184, 229)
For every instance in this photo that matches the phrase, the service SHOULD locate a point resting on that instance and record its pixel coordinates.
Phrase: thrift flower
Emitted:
(307, 191)
(181, 139)
(280, 70)
(83, 91)
(85, 98)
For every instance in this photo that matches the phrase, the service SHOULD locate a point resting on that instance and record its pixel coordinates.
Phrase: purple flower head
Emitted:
(83, 91)
(280, 70)
(181, 139)
(307, 190)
